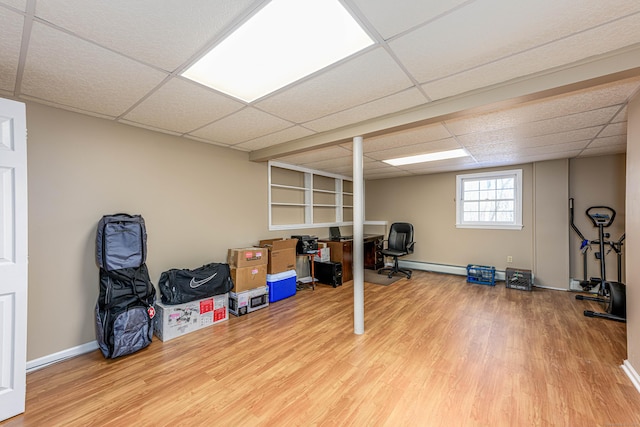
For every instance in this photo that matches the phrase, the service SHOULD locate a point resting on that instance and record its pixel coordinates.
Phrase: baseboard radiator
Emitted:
(442, 268)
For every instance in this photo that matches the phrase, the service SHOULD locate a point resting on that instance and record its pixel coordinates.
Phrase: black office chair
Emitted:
(400, 243)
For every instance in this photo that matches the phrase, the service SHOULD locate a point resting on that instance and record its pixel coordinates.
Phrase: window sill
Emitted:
(492, 226)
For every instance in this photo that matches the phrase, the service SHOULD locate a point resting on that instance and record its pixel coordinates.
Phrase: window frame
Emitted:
(516, 224)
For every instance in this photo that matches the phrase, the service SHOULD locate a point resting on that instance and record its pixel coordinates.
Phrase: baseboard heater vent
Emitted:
(443, 268)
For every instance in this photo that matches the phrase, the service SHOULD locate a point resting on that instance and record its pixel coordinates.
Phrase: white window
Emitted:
(489, 200)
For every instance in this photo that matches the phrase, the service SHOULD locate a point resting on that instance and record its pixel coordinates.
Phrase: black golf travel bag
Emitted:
(125, 307)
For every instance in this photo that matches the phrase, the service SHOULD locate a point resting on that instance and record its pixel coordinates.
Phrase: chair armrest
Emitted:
(410, 247)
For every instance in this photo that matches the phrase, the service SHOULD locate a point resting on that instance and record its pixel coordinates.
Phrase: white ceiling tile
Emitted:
(619, 34)
(182, 106)
(510, 159)
(510, 143)
(162, 33)
(561, 105)
(526, 152)
(621, 116)
(615, 129)
(390, 18)
(486, 31)
(362, 79)
(10, 39)
(412, 136)
(377, 108)
(608, 141)
(320, 154)
(289, 134)
(329, 164)
(242, 126)
(18, 4)
(410, 150)
(70, 71)
(539, 128)
(604, 150)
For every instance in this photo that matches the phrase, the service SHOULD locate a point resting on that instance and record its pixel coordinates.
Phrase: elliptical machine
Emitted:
(611, 294)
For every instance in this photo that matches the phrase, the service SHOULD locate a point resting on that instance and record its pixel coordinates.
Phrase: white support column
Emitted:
(358, 237)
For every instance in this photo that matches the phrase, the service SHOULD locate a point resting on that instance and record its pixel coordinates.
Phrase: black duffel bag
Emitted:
(178, 286)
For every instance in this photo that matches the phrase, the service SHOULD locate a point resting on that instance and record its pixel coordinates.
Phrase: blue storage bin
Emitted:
(281, 285)
(481, 274)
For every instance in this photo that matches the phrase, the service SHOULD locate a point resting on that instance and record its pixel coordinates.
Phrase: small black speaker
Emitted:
(329, 273)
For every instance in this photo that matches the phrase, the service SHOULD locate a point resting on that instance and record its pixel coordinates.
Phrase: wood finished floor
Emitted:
(436, 352)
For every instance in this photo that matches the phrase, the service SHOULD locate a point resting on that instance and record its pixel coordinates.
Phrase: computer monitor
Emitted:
(334, 233)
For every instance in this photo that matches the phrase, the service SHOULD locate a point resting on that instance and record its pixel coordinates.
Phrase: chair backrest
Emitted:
(401, 237)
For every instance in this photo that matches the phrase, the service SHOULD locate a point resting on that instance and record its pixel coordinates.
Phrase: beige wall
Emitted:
(597, 181)
(428, 202)
(198, 200)
(551, 240)
(632, 246)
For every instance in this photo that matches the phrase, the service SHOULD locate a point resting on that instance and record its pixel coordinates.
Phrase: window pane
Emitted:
(471, 216)
(471, 195)
(504, 206)
(487, 216)
(505, 194)
(470, 186)
(505, 216)
(471, 206)
(505, 183)
(487, 206)
(488, 195)
(487, 184)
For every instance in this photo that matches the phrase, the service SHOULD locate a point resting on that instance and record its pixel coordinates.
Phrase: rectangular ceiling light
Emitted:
(429, 157)
(283, 42)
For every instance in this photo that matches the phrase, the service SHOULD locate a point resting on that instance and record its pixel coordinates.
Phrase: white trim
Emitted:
(458, 271)
(632, 374)
(442, 268)
(42, 362)
(512, 173)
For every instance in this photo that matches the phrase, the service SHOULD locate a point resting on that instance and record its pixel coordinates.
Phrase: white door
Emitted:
(13, 258)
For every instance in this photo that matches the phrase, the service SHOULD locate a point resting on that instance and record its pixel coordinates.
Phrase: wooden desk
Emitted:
(342, 251)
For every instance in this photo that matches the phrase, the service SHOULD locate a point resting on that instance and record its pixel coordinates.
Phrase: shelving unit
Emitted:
(304, 198)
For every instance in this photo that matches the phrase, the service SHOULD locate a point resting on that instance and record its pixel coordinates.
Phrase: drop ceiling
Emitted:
(510, 81)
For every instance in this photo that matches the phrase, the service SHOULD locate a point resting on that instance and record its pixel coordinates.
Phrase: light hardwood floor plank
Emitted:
(437, 351)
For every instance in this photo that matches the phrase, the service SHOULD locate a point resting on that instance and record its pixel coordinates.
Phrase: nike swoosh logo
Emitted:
(197, 283)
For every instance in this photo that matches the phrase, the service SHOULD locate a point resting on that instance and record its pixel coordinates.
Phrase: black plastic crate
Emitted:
(515, 278)
(481, 274)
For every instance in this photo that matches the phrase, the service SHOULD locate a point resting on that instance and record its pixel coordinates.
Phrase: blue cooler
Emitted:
(281, 285)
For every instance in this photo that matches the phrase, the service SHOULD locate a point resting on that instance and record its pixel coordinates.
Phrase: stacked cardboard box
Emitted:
(248, 272)
(175, 320)
(281, 254)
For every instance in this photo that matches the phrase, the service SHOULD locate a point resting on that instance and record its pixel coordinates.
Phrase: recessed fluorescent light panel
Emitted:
(283, 42)
(430, 157)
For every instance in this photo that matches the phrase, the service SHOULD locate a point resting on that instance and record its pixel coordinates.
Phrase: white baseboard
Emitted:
(632, 374)
(34, 365)
(442, 268)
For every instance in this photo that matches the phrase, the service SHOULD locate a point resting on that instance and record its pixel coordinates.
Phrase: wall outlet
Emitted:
(509, 259)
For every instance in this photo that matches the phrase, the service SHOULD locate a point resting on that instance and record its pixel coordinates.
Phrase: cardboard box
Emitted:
(246, 278)
(323, 255)
(281, 285)
(176, 320)
(246, 257)
(281, 254)
(248, 301)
